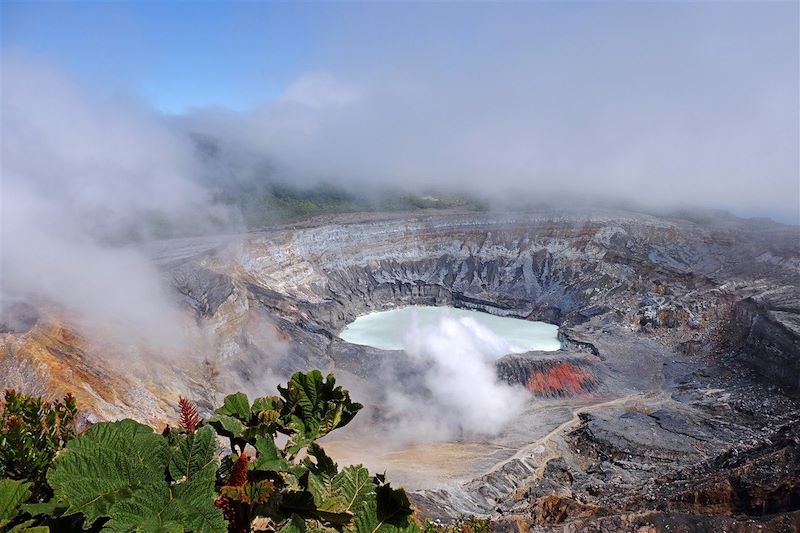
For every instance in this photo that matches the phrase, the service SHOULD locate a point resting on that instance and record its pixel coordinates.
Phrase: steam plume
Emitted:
(84, 180)
(465, 394)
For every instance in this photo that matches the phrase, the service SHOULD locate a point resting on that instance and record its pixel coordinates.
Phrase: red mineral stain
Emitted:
(559, 378)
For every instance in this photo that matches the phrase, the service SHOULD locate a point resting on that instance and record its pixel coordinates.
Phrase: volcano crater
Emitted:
(680, 345)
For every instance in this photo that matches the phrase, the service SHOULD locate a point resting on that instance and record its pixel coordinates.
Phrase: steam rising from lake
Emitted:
(457, 349)
(394, 329)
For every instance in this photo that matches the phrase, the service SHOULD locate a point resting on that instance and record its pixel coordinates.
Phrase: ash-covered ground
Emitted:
(673, 403)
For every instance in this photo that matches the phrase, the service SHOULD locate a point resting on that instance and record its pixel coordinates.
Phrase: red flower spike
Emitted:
(238, 478)
(228, 508)
(189, 417)
(239, 472)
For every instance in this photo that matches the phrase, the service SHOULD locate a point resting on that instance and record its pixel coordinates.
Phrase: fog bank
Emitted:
(656, 105)
(85, 179)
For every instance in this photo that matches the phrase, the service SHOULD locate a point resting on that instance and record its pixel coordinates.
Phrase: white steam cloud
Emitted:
(84, 179)
(465, 395)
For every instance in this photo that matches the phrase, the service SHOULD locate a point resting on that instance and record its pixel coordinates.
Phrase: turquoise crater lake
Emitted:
(388, 330)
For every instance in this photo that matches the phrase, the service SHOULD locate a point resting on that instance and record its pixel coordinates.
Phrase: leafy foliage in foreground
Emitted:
(13, 494)
(308, 408)
(121, 476)
(31, 432)
(142, 482)
(293, 492)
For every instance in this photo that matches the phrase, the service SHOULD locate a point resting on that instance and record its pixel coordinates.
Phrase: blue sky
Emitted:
(237, 54)
(177, 54)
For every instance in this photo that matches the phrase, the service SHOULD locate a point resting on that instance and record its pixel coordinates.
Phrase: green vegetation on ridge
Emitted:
(274, 203)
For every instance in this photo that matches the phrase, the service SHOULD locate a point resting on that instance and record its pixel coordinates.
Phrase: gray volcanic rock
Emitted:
(768, 328)
(204, 290)
(17, 317)
(549, 374)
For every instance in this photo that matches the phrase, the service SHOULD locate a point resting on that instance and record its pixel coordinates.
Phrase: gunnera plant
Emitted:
(122, 476)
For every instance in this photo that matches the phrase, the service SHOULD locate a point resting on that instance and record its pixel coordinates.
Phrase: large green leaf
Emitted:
(270, 459)
(266, 404)
(241, 423)
(195, 452)
(108, 463)
(118, 470)
(12, 494)
(329, 503)
(236, 405)
(195, 500)
(195, 461)
(386, 511)
(331, 419)
(313, 407)
(49, 507)
(321, 475)
(337, 495)
(29, 526)
(355, 486)
(295, 525)
(265, 415)
(304, 434)
(322, 465)
(146, 511)
(227, 426)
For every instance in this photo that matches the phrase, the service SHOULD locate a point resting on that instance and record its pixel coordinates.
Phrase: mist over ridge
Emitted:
(658, 106)
(655, 108)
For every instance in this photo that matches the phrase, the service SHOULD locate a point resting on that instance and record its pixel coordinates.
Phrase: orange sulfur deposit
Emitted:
(559, 378)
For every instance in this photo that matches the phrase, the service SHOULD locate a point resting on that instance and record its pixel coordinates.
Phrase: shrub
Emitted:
(31, 432)
(464, 524)
(297, 494)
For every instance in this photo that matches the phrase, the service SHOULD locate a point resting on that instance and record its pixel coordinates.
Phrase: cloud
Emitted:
(661, 106)
(461, 394)
(84, 180)
(320, 91)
